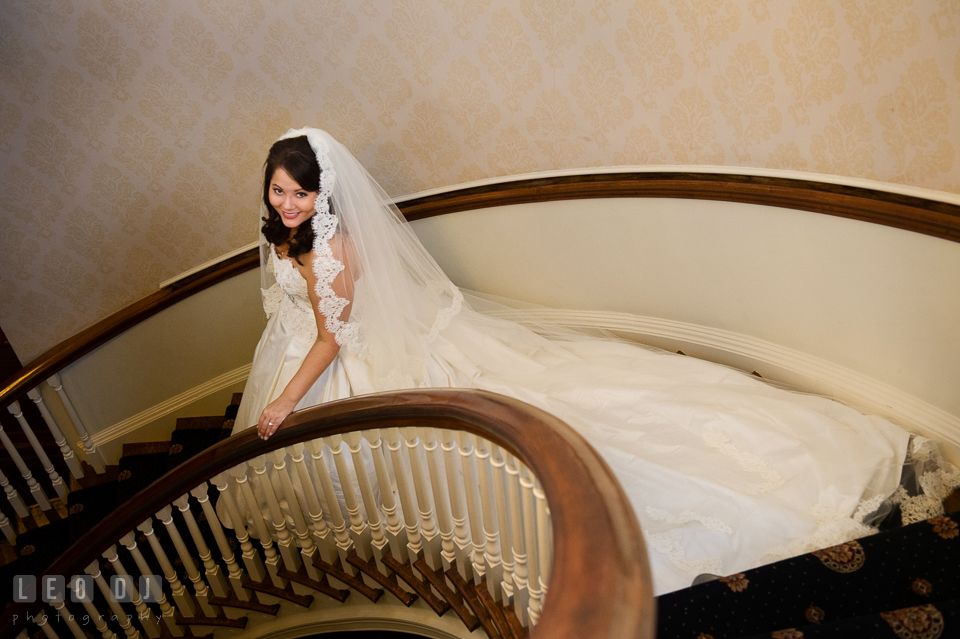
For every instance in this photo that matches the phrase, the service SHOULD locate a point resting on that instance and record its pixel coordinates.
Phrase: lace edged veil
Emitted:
(401, 297)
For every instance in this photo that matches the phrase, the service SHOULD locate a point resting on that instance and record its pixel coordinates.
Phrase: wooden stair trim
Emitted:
(405, 571)
(322, 586)
(354, 581)
(266, 587)
(438, 580)
(389, 582)
(254, 604)
(470, 596)
(495, 610)
(220, 622)
(513, 620)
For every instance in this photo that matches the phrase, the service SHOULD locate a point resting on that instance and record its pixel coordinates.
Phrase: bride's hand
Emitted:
(273, 415)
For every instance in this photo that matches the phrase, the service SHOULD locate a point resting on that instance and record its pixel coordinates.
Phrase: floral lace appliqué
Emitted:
(716, 438)
(327, 267)
(289, 298)
(670, 544)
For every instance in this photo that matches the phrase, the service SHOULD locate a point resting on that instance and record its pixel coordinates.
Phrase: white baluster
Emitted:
(35, 489)
(43, 622)
(429, 530)
(94, 615)
(286, 543)
(58, 485)
(520, 593)
(471, 483)
(491, 526)
(303, 540)
(393, 532)
(458, 501)
(181, 598)
(359, 532)
(234, 571)
(13, 496)
(535, 595)
(169, 615)
(252, 506)
(165, 516)
(340, 534)
(498, 464)
(7, 527)
(125, 623)
(441, 496)
(544, 546)
(68, 618)
(71, 460)
(374, 537)
(408, 500)
(214, 578)
(144, 614)
(251, 558)
(93, 454)
(322, 535)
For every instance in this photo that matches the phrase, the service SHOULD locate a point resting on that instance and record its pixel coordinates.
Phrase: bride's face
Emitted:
(294, 204)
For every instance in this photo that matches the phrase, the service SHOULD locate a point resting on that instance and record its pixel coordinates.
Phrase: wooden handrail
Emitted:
(600, 582)
(929, 217)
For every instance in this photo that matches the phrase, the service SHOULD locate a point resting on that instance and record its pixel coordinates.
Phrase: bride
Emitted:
(724, 471)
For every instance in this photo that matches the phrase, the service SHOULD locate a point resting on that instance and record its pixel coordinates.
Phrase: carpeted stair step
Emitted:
(140, 465)
(89, 506)
(38, 548)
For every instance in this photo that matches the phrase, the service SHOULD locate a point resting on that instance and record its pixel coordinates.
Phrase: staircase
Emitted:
(41, 540)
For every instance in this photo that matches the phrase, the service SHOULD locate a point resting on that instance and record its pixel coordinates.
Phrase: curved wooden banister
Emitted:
(600, 584)
(920, 215)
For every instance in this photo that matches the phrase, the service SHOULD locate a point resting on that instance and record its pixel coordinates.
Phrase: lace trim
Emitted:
(326, 267)
(688, 516)
(289, 297)
(671, 545)
(919, 508)
(833, 528)
(444, 316)
(716, 438)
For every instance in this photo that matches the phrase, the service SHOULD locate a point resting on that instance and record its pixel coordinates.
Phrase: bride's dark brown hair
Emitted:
(296, 157)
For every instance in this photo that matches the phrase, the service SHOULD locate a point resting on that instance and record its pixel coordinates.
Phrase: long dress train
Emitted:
(725, 472)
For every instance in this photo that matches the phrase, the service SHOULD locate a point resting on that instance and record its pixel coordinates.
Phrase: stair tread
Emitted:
(144, 448)
(199, 423)
(88, 506)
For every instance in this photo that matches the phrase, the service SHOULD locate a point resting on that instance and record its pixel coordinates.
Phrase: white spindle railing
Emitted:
(92, 453)
(434, 496)
(58, 485)
(35, 488)
(68, 457)
(446, 515)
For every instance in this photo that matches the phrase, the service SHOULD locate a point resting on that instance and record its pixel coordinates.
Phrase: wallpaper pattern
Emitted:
(131, 131)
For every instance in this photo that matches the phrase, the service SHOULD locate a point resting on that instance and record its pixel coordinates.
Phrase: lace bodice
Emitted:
(290, 298)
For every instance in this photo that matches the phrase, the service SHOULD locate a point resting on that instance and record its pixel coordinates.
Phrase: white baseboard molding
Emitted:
(773, 362)
(120, 430)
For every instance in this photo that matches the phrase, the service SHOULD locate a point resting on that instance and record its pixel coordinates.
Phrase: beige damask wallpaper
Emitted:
(131, 131)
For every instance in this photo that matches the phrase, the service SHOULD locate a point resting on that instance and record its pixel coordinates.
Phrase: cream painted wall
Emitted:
(131, 131)
(199, 349)
(877, 300)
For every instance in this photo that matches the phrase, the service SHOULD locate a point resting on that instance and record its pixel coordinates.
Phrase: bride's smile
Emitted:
(292, 202)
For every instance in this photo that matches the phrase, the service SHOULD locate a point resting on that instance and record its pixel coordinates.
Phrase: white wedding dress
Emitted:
(724, 471)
